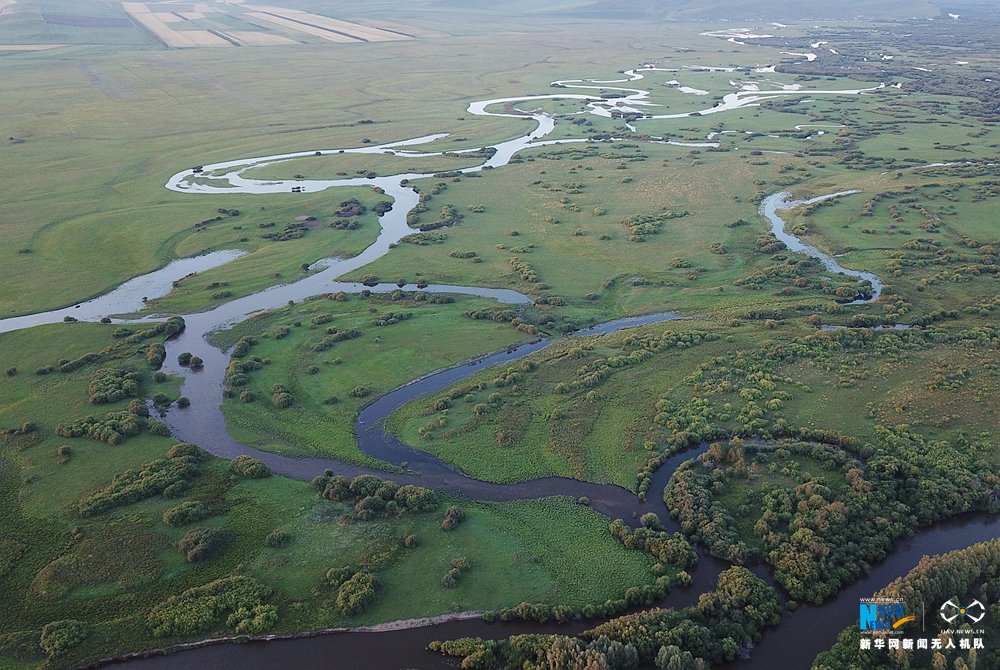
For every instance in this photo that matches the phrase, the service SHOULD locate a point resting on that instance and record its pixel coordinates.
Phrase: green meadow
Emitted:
(331, 384)
(104, 522)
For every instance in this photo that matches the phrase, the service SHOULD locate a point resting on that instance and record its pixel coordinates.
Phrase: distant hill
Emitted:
(652, 10)
(770, 10)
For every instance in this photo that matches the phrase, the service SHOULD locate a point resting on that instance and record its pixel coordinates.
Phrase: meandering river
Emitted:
(802, 633)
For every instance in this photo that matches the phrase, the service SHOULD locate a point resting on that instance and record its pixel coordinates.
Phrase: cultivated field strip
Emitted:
(29, 47)
(259, 39)
(153, 22)
(355, 30)
(399, 28)
(314, 31)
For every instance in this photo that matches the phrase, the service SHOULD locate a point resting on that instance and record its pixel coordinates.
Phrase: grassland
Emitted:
(97, 127)
(426, 337)
(551, 420)
(118, 221)
(59, 565)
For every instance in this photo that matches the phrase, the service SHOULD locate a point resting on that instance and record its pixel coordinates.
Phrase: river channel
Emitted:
(802, 633)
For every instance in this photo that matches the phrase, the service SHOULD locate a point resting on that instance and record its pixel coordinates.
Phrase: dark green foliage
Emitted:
(390, 318)
(250, 468)
(242, 346)
(26, 428)
(171, 326)
(282, 400)
(452, 517)
(641, 225)
(110, 385)
(21, 645)
(336, 576)
(335, 336)
(63, 454)
(724, 621)
(203, 544)
(200, 608)
(155, 355)
(277, 538)
(968, 574)
(253, 620)
(185, 513)
(822, 533)
(454, 574)
(423, 239)
(356, 593)
(187, 450)
(373, 497)
(184, 358)
(351, 207)
(78, 363)
(360, 391)
(59, 637)
(115, 428)
(151, 479)
(671, 549)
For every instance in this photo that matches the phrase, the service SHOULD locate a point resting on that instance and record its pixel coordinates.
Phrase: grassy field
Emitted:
(196, 108)
(324, 383)
(591, 231)
(57, 564)
(552, 420)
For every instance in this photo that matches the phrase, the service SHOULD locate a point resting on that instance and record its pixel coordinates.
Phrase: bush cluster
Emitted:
(372, 497)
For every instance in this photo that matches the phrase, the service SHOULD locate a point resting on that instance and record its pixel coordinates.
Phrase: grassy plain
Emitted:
(58, 565)
(427, 337)
(96, 128)
(550, 422)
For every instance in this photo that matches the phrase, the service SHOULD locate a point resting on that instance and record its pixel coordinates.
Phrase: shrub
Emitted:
(202, 544)
(277, 538)
(110, 385)
(114, 429)
(282, 400)
(196, 363)
(185, 513)
(410, 541)
(186, 450)
(650, 520)
(250, 468)
(199, 608)
(184, 358)
(133, 485)
(452, 517)
(59, 637)
(183, 401)
(155, 355)
(360, 392)
(253, 620)
(63, 454)
(356, 593)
